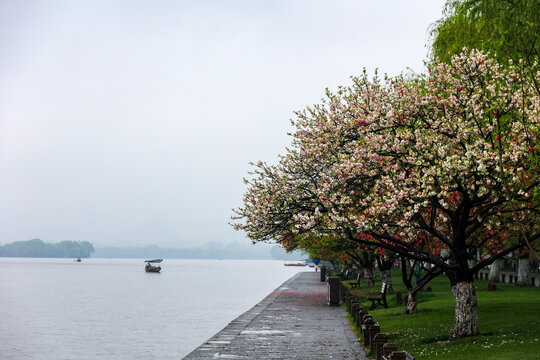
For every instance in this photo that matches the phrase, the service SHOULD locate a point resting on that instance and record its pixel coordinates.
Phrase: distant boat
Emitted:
(295, 264)
(78, 260)
(152, 268)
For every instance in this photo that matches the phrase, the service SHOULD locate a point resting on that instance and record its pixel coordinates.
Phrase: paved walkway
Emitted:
(293, 322)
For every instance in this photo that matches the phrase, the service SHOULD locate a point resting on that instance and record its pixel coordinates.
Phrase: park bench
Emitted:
(357, 282)
(344, 275)
(379, 299)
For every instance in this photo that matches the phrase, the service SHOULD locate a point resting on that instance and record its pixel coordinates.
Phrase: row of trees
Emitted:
(37, 248)
(434, 169)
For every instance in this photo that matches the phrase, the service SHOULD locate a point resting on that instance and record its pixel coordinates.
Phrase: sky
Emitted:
(131, 122)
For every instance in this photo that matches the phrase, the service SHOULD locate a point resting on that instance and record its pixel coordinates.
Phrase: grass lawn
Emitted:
(509, 321)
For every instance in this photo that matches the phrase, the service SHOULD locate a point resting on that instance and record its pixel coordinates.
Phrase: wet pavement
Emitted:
(294, 322)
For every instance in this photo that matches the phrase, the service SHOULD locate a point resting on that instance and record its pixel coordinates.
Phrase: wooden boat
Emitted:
(152, 268)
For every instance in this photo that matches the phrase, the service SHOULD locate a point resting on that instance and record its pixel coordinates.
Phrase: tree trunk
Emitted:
(386, 277)
(412, 302)
(368, 276)
(524, 272)
(495, 271)
(466, 310)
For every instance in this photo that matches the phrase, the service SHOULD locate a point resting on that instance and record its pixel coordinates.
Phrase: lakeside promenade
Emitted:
(293, 322)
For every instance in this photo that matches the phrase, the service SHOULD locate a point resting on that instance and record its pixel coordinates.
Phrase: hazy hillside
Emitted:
(37, 248)
(211, 250)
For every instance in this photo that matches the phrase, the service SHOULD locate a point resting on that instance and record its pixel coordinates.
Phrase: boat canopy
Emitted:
(154, 261)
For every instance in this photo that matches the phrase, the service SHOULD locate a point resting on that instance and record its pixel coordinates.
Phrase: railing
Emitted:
(371, 330)
(509, 277)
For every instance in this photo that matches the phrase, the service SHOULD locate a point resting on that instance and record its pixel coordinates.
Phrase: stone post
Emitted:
(399, 298)
(365, 329)
(379, 340)
(348, 302)
(354, 311)
(387, 349)
(372, 331)
(397, 355)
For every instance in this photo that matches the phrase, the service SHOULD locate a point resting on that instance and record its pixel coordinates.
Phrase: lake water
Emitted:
(111, 309)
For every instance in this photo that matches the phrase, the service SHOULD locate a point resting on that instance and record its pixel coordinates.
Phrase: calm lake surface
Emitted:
(111, 309)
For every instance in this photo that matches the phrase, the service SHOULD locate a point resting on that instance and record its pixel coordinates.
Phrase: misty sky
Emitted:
(133, 122)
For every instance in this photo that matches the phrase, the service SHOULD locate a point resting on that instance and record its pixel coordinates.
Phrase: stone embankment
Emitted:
(294, 322)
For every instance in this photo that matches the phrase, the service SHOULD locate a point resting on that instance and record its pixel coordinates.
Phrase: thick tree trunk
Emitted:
(412, 302)
(385, 265)
(524, 272)
(495, 271)
(368, 276)
(386, 277)
(466, 310)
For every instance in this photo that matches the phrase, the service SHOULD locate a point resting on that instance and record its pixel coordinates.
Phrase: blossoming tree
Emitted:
(433, 169)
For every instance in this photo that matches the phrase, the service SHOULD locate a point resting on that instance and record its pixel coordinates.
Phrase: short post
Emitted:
(354, 311)
(379, 340)
(387, 349)
(323, 273)
(372, 331)
(397, 355)
(399, 298)
(360, 316)
(365, 318)
(365, 329)
(333, 290)
(342, 291)
(352, 301)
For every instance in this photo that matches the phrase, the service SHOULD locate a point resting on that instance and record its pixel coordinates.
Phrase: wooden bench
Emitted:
(357, 282)
(344, 275)
(379, 299)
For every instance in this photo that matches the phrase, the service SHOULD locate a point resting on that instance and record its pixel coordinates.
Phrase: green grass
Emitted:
(509, 321)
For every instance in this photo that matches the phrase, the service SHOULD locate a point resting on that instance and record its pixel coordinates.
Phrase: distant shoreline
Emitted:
(36, 248)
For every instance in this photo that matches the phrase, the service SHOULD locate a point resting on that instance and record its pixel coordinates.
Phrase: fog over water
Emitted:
(133, 122)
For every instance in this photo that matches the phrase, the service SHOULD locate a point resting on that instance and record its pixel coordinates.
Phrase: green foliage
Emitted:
(509, 319)
(509, 29)
(37, 248)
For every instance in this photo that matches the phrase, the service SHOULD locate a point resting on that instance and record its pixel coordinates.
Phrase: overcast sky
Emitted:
(133, 122)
